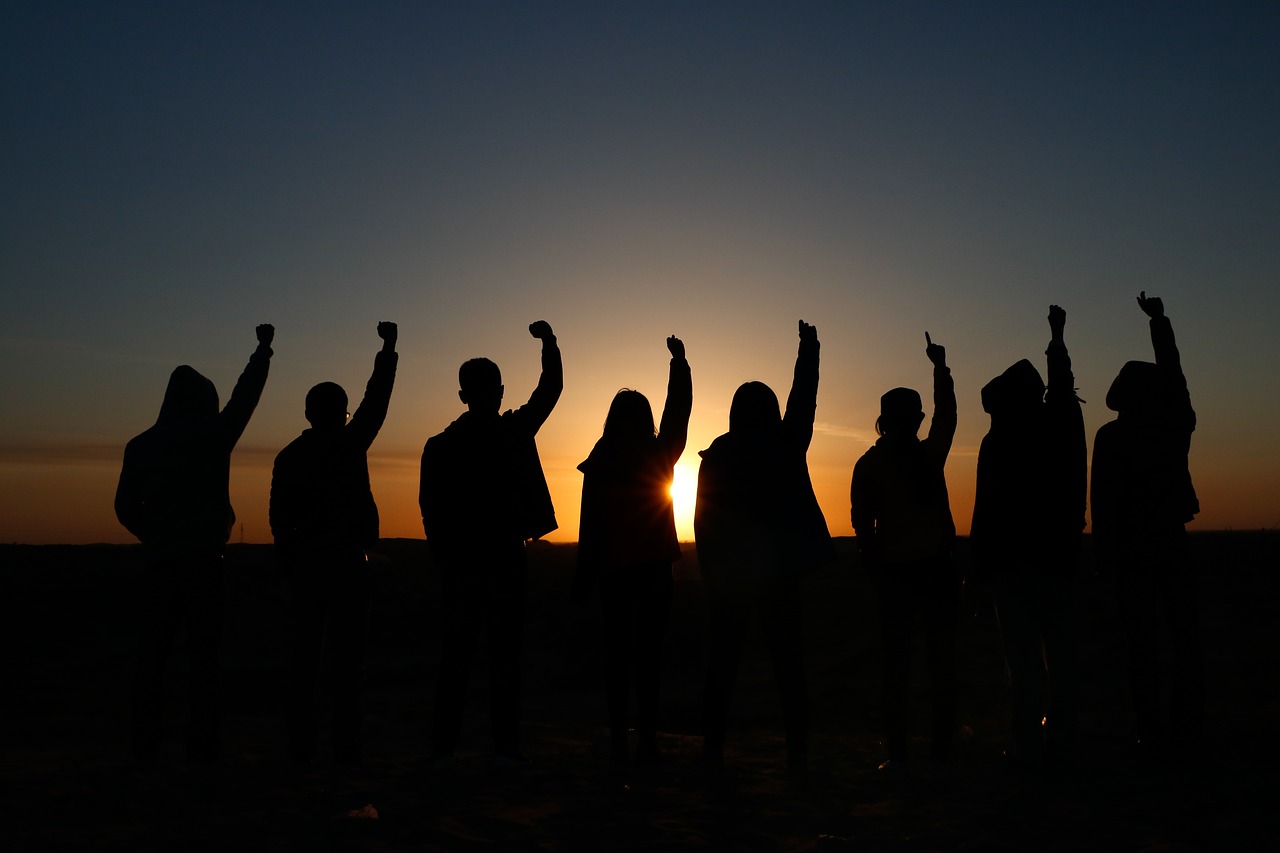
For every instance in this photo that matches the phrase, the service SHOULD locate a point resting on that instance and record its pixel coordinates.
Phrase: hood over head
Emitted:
(1018, 389)
(190, 398)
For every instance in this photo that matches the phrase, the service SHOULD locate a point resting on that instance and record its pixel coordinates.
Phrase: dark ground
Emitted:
(69, 783)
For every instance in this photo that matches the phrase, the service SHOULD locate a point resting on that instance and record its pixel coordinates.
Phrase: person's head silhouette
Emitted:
(630, 418)
(754, 410)
(901, 412)
(327, 406)
(1016, 393)
(480, 385)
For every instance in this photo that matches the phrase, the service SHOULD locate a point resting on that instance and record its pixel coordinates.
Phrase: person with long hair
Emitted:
(759, 532)
(627, 542)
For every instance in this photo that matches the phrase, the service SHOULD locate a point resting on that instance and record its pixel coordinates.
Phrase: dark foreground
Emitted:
(69, 783)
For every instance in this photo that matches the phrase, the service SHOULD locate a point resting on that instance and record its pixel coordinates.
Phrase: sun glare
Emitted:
(684, 490)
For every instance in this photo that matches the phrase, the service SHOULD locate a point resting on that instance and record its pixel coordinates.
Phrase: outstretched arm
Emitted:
(674, 431)
(372, 412)
(550, 383)
(1070, 456)
(244, 397)
(942, 428)
(802, 402)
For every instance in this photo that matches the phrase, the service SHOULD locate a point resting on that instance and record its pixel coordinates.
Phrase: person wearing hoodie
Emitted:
(1142, 498)
(173, 495)
(483, 495)
(323, 518)
(759, 532)
(902, 518)
(627, 541)
(1028, 515)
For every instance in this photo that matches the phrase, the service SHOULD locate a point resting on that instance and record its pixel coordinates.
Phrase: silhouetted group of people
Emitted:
(759, 532)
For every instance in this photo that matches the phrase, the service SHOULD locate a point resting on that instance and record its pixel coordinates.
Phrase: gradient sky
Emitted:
(175, 173)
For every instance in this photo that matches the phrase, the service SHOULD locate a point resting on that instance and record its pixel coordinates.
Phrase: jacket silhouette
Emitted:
(482, 480)
(1032, 470)
(1142, 491)
(173, 492)
(320, 492)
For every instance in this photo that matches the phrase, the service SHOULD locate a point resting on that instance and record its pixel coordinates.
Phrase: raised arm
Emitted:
(1061, 380)
(673, 433)
(372, 412)
(550, 383)
(802, 402)
(1069, 456)
(1167, 356)
(244, 397)
(942, 427)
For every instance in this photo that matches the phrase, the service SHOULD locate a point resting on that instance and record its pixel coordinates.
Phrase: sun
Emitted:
(684, 491)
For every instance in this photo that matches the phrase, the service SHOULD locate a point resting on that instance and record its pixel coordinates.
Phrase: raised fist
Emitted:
(388, 331)
(1057, 320)
(541, 330)
(676, 347)
(266, 334)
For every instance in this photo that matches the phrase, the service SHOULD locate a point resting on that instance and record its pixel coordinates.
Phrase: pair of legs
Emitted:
(1156, 584)
(486, 595)
(180, 594)
(1036, 612)
(330, 620)
(776, 602)
(928, 588)
(636, 601)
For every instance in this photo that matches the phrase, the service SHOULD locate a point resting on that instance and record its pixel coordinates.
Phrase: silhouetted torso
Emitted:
(320, 493)
(482, 482)
(627, 512)
(1032, 469)
(756, 510)
(173, 492)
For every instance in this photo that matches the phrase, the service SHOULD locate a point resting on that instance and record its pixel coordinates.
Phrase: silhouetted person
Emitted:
(759, 531)
(902, 518)
(627, 539)
(1142, 498)
(483, 495)
(323, 517)
(173, 495)
(1028, 515)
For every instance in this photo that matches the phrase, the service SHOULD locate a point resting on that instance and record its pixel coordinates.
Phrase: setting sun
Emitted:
(684, 491)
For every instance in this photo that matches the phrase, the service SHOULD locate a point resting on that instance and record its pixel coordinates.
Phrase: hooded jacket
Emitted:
(898, 499)
(1029, 504)
(320, 494)
(482, 484)
(756, 513)
(173, 492)
(1142, 491)
(627, 513)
